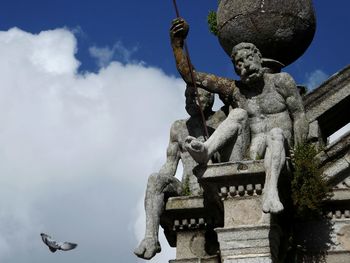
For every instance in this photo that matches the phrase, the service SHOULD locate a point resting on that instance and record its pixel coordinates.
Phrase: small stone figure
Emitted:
(268, 103)
(163, 184)
(54, 245)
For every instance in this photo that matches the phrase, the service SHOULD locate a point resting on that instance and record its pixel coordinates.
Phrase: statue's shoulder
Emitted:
(178, 124)
(283, 83)
(280, 77)
(282, 80)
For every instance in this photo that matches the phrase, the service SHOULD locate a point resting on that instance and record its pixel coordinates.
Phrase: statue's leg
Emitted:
(274, 161)
(258, 147)
(227, 131)
(157, 187)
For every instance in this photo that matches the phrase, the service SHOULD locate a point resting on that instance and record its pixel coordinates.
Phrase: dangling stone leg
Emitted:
(157, 186)
(201, 152)
(274, 161)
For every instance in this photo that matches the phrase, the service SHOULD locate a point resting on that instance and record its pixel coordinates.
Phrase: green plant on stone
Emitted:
(186, 190)
(212, 23)
(309, 188)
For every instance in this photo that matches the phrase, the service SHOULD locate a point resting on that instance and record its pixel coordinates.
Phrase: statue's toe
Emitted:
(139, 251)
(189, 139)
(197, 146)
(147, 249)
(272, 206)
(151, 251)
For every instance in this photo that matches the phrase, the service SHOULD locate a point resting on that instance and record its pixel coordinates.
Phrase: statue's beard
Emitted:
(252, 76)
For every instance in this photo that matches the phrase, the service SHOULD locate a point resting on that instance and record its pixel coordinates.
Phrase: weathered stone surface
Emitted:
(273, 26)
(210, 259)
(336, 168)
(188, 226)
(341, 194)
(335, 151)
(337, 257)
(247, 235)
(328, 103)
(343, 237)
(191, 244)
(339, 147)
(335, 163)
(241, 171)
(314, 131)
(248, 259)
(248, 241)
(184, 203)
(243, 211)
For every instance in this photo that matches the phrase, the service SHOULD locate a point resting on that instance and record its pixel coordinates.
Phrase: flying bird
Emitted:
(54, 245)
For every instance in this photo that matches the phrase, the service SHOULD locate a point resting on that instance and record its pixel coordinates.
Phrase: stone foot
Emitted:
(272, 203)
(147, 248)
(197, 150)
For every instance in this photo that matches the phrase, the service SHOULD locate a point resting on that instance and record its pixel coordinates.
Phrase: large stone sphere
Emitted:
(281, 29)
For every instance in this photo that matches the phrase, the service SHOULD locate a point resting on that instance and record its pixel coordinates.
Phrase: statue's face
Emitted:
(205, 97)
(248, 66)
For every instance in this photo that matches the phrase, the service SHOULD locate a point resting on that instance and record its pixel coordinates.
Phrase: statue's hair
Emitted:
(244, 45)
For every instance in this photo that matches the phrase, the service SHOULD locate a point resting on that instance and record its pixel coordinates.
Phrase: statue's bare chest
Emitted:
(269, 101)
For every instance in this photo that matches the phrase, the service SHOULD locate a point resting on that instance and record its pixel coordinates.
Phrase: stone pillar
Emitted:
(188, 226)
(327, 240)
(248, 235)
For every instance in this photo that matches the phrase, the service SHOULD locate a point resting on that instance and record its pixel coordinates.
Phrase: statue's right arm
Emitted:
(209, 82)
(173, 154)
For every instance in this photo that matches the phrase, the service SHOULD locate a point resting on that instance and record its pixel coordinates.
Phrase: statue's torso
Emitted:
(194, 127)
(266, 110)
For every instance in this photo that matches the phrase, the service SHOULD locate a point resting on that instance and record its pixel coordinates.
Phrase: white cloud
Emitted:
(104, 55)
(315, 78)
(76, 150)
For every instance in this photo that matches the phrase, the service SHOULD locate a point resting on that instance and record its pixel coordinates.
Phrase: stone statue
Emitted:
(268, 103)
(163, 184)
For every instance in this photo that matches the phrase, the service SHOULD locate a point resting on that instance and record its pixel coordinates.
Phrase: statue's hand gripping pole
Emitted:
(193, 79)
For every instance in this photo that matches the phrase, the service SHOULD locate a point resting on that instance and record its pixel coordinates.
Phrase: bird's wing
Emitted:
(44, 237)
(68, 246)
(49, 241)
(53, 250)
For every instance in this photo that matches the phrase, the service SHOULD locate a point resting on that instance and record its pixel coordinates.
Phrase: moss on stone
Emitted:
(186, 190)
(309, 188)
(212, 24)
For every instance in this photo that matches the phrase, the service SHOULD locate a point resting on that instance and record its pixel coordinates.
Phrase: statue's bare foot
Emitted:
(272, 203)
(197, 150)
(147, 248)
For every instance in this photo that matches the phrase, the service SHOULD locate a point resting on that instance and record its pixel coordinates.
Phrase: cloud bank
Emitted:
(76, 149)
(104, 55)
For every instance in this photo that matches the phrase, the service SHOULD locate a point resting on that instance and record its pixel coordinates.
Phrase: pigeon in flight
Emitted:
(54, 245)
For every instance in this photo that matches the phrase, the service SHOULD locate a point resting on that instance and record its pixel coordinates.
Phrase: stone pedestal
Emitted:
(327, 240)
(188, 225)
(248, 235)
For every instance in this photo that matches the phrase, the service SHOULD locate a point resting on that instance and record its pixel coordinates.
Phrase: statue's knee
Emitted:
(277, 134)
(153, 179)
(239, 116)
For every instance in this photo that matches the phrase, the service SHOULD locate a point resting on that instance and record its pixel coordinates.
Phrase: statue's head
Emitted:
(206, 99)
(247, 61)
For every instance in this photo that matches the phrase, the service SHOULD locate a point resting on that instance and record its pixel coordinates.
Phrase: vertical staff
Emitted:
(199, 103)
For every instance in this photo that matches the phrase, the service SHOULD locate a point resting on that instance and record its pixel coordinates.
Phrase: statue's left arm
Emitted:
(295, 107)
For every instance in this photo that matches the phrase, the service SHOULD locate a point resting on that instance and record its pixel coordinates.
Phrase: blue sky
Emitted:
(144, 25)
(88, 92)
